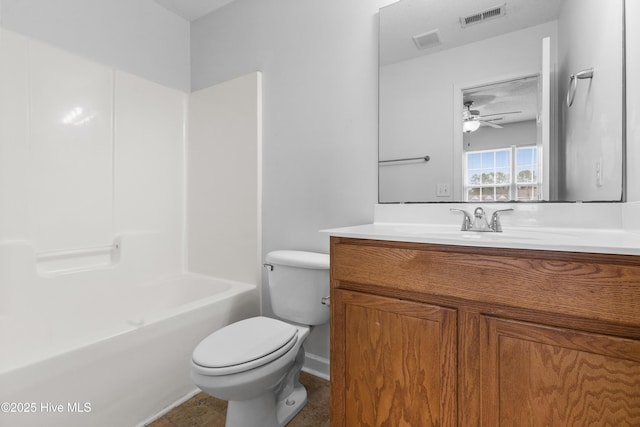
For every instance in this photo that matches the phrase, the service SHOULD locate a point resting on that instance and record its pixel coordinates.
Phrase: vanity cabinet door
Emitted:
(393, 362)
(534, 375)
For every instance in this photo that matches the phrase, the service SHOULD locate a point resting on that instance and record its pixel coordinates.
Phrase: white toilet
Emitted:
(255, 363)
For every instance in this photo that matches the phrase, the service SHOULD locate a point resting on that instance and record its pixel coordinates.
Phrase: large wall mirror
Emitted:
(517, 101)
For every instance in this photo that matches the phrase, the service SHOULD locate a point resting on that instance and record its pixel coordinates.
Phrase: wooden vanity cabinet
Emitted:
(399, 362)
(435, 335)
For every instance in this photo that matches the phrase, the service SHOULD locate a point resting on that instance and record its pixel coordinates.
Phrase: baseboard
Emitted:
(316, 365)
(178, 402)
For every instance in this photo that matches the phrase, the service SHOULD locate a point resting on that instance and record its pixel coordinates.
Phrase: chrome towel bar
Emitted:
(425, 158)
(573, 83)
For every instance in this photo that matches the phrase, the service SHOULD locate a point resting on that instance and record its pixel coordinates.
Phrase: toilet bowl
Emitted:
(255, 363)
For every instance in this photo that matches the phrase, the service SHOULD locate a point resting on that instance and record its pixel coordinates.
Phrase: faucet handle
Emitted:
(495, 219)
(466, 219)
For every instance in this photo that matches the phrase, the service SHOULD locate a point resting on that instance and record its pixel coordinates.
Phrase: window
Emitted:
(502, 175)
(527, 185)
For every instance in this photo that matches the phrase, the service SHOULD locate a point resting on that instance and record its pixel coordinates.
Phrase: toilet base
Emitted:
(260, 411)
(264, 411)
(290, 407)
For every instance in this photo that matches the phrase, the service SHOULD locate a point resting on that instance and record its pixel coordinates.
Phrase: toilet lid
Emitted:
(249, 343)
(300, 259)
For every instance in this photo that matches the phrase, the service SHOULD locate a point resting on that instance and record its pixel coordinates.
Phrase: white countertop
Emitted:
(609, 241)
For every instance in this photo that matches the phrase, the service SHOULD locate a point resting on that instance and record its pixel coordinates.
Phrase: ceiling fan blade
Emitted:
(493, 125)
(500, 114)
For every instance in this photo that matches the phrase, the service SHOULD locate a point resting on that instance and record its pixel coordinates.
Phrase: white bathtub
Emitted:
(85, 349)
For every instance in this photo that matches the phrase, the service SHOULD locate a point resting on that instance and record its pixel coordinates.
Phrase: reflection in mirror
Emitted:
(501, 154)
(481, 91)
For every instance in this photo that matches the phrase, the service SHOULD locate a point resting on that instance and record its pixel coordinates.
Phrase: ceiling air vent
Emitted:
(427, 40)
(485, 15)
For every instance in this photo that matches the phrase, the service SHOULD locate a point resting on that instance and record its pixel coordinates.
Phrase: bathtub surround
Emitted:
(74, 136)
(83, 93)
(225, 179)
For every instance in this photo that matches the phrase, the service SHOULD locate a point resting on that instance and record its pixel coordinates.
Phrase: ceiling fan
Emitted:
(472, 118)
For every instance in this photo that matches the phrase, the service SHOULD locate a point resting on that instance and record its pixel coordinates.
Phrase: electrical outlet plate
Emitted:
(599, 176)
(442, 190)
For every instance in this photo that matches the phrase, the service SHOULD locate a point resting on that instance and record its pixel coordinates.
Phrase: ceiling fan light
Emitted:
(470, 125)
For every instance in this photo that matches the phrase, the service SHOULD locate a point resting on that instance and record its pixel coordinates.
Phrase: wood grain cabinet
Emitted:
(432, 335)
(399, 362)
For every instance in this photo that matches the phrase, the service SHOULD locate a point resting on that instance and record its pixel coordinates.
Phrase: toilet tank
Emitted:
(298, 281)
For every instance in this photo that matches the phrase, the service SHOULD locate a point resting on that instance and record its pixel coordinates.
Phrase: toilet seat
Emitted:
(244, 345)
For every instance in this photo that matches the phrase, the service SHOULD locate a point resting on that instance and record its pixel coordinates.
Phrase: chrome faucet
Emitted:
(479, 221)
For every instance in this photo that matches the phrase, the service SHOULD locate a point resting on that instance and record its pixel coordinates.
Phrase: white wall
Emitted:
(140, 37)
(590, 36)
(224, 174)
(319, 67)
(417, 111)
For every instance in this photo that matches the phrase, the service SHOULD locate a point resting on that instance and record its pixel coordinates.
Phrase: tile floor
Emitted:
(203, 410)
